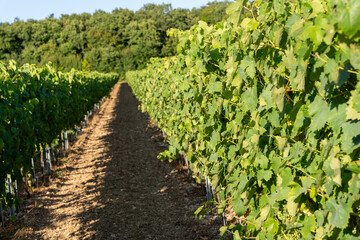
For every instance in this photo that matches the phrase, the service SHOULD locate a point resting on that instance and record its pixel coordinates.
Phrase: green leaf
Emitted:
(291, 21)
(264, 212)
(332, 68)
(306, 183)
(319, 214)
(339, 213)
(198, 211)
(289, 59)
(337, 116)
(301, 120)
(266, 95)
(292, 205)
(329, 34)
(296, 28)
(250, 98)
(299, 80)
(319, 112)
(332, 166)
(261, 160)
(278, 97)
(296, 190)
(264, 174)
(213, 157)
(350, 139)
(353, 167)
(271, 225)
(236, 235)
(215, 54)
(201, 66)
(237, 81)
(223, 230)
(350, 237)
(215, 87)
(314, 33)
(317, 6)
(309, 226)
(166, 93)
(276, 163)
(248, 65)
(234, 11)
(343, 77)
(353, 108)
(281, 141)
(278, 35)
(355, 56)
(354, 184)
(215, 138)
(243, 181)
(274, 118)
(286, 176)
(349, 17)
(232, 152)
(250, 24)
(238, 206)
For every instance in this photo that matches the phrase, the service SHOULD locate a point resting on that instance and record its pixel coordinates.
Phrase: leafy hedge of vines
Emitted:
(268, 108)
(36, 105)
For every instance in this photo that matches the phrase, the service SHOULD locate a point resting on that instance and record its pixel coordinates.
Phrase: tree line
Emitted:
(107, 42)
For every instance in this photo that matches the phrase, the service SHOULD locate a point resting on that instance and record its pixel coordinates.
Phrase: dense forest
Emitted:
(118, 41)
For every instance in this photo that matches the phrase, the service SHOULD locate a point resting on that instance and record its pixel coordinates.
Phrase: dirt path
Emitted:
(116, 188)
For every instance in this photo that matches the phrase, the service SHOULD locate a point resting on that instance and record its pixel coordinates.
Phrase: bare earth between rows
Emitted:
(114, 187)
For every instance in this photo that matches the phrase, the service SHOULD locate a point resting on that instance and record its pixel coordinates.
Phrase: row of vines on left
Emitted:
(36, 106)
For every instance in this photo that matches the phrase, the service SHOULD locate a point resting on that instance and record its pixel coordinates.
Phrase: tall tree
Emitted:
(118, 41)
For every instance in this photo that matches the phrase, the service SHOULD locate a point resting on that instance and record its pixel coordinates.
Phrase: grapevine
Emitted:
(267, 108)
(36, 105)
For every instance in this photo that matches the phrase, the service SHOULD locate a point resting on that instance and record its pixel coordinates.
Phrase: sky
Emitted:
(40, 9)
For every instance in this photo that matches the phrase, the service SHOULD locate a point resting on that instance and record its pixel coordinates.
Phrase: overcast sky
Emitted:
(40, 9)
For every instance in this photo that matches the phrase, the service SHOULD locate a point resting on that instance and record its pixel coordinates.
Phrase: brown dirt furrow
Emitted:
(114, 187)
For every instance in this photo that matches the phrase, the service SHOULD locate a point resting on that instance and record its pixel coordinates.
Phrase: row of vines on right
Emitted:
(267, 106)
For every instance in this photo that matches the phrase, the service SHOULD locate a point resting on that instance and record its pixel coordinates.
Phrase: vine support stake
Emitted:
(66, 140)
(224, 219)
(33, 168)
(34, 173)
(187, 164)
(48, 160)
(16, 188)
(42, 162)
(85, 121)
(208, 189)
(11, 191)
(62, 141)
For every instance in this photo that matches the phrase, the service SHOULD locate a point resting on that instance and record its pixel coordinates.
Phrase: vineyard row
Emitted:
(267, 108)
(37, 108)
